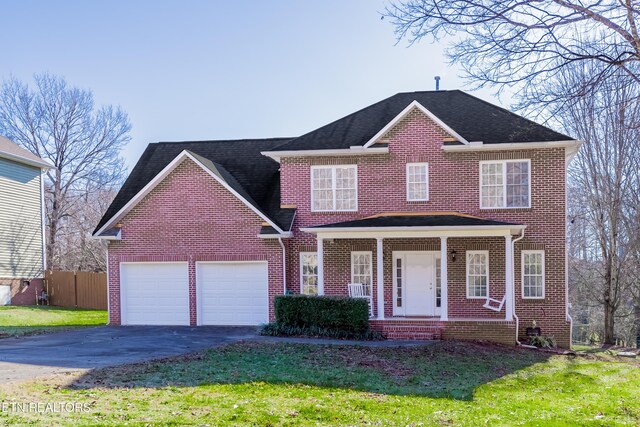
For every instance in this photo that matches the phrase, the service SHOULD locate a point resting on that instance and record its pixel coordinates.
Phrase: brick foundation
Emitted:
(23, 295)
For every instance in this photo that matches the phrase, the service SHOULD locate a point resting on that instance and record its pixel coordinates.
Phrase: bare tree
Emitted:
(603, 183)
(61, 123)
(524, 43)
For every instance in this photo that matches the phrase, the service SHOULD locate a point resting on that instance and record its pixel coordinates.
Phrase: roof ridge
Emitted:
(283, 138)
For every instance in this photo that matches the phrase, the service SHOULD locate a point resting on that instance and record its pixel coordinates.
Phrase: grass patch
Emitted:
(444, 383)
(28, 320)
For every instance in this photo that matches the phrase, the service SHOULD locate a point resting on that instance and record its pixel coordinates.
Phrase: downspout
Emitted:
(513, 280)
(284, 266)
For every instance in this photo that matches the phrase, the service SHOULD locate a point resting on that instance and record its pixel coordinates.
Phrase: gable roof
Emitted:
(12, 151)
(238, 163)
(471, 118)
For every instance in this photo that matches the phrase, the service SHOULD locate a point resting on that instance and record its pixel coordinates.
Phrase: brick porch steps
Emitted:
(407, 330)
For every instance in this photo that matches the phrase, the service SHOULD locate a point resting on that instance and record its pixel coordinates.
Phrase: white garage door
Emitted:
(155, 293)
(232, 293)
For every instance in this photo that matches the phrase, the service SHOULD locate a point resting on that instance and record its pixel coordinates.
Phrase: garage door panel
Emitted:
(233, 293)
(155, 293)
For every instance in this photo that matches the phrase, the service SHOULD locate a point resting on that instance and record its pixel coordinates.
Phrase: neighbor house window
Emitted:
(417, 182)
(334, 188)
(477, 274)
(309, 273)
(361, 267)
(532, 274)
(505, 184)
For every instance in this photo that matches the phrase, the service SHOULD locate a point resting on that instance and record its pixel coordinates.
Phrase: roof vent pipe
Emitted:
(437, 79)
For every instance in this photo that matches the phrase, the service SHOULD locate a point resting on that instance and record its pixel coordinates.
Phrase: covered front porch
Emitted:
(424, 271)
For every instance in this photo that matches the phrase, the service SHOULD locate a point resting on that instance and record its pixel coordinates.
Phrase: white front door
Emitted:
(416, 283)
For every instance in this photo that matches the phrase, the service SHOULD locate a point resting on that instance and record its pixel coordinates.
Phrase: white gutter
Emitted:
(284, 235)
(116, 237)
(479, 146)
(43, 164)
(513, 278)
(284, 267)
(352, 151)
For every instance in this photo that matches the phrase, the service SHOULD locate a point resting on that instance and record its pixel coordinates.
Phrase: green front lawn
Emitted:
(26, 320)
(264, 384)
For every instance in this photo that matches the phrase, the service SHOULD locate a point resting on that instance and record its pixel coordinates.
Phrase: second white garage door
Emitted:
(232, 293)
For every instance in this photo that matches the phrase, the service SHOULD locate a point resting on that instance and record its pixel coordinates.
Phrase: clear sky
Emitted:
(193, 70)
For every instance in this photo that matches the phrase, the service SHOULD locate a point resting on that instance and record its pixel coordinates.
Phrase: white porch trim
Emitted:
(320, 255)
(444, 280)
(415, 232)
(380, 277)
(508, 279)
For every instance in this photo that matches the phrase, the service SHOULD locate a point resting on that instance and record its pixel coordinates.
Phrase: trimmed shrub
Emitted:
(322, 312)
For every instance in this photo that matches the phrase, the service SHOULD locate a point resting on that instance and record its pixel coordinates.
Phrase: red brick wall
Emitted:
(190, 217)
(453, 186)
(23, 295)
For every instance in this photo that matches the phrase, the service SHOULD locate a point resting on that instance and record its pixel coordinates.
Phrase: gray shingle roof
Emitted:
(471, 117)
(237, 162)
(426, 220)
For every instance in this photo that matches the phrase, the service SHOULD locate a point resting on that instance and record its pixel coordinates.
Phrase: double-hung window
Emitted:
(309, 273)
(533, 274)
(417, 182)
(505, 184)
(361, 267)
(334, 188)
(477, 274)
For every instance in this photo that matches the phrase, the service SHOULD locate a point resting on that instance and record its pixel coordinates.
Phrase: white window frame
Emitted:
(333, 187)
(426, 166)
(301, 256)
(468, 258)
(522, 254)
(370, 254)
(504, 183)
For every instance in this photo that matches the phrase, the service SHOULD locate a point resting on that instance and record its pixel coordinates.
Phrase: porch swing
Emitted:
(494, 304)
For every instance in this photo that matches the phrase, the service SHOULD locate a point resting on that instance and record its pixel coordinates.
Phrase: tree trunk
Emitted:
(637, 313)
(609, 322)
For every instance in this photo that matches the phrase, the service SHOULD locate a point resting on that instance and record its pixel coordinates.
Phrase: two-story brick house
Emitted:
(449, 209)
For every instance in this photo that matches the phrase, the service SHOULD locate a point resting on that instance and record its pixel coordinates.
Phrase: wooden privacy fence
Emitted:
(77, 289)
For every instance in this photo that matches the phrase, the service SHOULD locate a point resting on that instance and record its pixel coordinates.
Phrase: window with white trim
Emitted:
(505, 184)
(361, 267)
(477, 274)
(417, 182)
(532, 274)
(309, 273)
(334, 188)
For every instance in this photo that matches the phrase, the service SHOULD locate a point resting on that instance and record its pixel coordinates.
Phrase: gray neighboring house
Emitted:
(22, 254)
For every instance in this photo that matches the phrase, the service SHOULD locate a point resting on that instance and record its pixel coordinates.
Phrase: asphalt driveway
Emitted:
(30, 357)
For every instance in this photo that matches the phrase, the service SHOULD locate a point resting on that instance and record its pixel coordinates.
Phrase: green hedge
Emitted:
(322, 312)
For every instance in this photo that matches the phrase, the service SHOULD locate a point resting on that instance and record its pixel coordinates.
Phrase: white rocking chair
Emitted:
(362, 290)
(491, 303)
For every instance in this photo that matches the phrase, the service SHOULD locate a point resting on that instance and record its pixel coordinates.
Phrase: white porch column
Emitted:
(320, 266)
(380, 278)
(508, 279)
(444, 280)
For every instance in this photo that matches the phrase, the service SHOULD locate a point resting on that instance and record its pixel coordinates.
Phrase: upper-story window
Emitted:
(334, 188)
(505, 184)
(417, 182)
